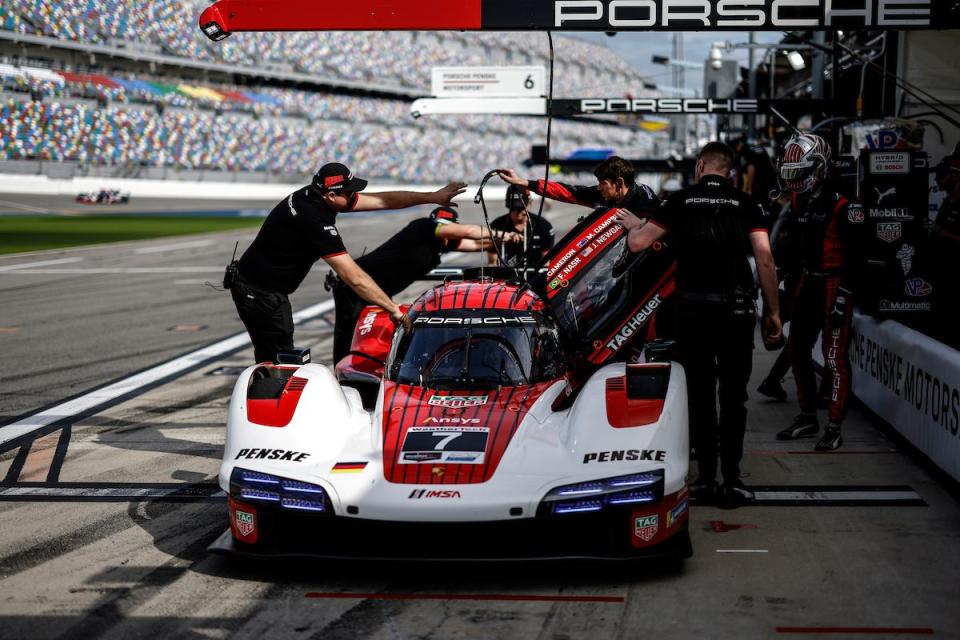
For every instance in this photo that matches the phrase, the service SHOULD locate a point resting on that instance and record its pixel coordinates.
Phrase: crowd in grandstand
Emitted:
(122, 118)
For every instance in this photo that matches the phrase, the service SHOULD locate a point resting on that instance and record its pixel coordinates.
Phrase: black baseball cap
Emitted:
(334, 176)
(445, 215)
(516, 198)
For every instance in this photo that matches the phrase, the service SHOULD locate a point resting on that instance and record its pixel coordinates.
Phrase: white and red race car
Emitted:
(501, 426)
(104, 196)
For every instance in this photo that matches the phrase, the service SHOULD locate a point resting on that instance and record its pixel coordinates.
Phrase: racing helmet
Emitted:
(516, 198)
(445, 215)
(803, 166)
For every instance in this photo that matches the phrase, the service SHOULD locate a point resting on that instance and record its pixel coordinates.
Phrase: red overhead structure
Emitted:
(227, 16)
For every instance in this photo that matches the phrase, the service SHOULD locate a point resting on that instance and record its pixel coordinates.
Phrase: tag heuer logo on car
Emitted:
(889, 231)
(245, 523)
(457, 401)
(646, 527)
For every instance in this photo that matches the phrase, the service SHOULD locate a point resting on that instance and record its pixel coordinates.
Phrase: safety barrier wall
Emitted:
(913, 383)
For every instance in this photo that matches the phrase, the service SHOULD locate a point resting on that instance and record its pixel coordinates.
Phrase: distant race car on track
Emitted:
(505, 424)
(104, 196)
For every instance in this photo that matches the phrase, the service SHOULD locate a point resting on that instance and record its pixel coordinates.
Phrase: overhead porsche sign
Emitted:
(740, 14)
(227, 16)
(654, 105)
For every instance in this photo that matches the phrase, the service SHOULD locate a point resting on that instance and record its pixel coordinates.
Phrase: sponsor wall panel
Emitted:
(913, 382)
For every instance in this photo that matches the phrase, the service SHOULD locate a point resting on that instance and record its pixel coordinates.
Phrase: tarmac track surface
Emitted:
(94, 544)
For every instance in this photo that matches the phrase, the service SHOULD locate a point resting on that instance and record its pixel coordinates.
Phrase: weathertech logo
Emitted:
(419, 494)
(602, 15)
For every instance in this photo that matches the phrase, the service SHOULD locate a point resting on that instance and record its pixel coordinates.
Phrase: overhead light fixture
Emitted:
(796, 60)
(716, 56)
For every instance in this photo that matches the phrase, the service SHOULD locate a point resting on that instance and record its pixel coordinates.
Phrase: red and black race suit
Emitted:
(640, 199)
(825, 228)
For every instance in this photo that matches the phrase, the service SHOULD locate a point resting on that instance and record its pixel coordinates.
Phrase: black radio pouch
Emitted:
(232, 271)
(230, 274)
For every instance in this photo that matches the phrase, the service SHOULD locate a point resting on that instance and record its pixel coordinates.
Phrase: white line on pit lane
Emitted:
(102, 397)
(38, 263)
(174, 247)
(742, 551)
(832, 495)
(24, 207)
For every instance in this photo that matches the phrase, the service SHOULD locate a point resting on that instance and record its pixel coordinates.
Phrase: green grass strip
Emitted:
(35, 233)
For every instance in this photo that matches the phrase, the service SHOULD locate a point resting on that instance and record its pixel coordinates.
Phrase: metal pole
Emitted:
(817, 65)
(752, 91)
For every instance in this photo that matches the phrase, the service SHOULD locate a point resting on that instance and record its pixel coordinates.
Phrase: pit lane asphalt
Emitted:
(78, 567)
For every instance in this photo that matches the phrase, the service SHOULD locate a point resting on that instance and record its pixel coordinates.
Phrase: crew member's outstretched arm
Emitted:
(583, 196)
(404, 199)
(365, 287)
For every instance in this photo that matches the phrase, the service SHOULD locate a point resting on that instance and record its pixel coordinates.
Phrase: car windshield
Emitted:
(589, 300)
(478, 357)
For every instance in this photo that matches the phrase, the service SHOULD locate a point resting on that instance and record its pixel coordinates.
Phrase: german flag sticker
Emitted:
(348, 467)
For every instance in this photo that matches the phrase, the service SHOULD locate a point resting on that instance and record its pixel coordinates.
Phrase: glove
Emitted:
(838, 312)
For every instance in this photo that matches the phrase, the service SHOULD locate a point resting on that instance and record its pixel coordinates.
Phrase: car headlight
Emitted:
(597, 495)
(267, 489)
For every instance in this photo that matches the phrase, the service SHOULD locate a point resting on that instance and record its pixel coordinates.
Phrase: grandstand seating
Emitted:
(390, 58)
(164, 122)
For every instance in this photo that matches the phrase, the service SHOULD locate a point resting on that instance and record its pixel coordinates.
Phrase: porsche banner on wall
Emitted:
(227, 16)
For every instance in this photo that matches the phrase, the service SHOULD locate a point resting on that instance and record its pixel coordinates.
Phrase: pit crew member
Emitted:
(536, 232)
(616, 187)
(714, 228)
(405, 257)
(300, 230)
(823, 226)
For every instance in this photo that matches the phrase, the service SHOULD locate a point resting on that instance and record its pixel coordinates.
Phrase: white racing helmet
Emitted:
(803, 166)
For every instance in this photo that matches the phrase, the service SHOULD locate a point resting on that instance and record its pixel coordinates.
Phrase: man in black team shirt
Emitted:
(714, 228)
(616, 187)
(300, 230)
(536, 232)
(406, 256)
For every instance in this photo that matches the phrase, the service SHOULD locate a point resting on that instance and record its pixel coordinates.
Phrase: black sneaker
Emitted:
(772, 389)
(803, 425)
(704, 492)
(831, 439)
(733, 495)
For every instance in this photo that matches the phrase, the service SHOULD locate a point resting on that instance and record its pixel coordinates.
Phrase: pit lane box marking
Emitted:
(454, 445)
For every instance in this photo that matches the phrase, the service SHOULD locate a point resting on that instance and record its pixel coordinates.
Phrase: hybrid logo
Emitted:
(666, 105)
(419, 494)
(604, 15)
